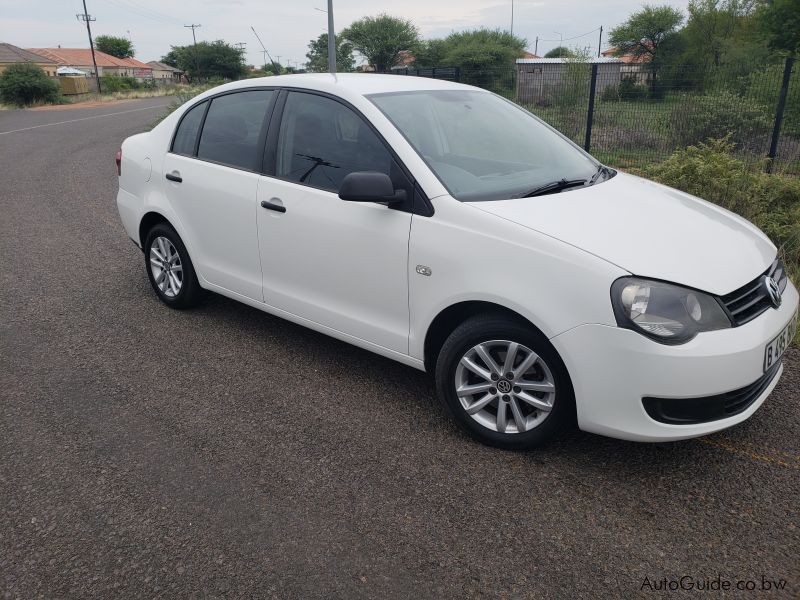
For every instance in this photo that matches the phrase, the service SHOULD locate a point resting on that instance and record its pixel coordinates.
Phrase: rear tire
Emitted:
(504, 383)
(170, 269)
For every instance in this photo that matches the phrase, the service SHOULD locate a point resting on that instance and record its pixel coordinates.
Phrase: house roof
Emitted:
(627, 57)
(83, 57)
(526, 54)
(163, 66)
(12, 54)
(538, 61)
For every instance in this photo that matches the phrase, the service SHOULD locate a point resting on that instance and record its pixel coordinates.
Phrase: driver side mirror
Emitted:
(370, 186)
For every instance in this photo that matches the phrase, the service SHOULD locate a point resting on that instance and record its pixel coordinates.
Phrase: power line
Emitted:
(572, 38)
(87, 18)
(142, 11)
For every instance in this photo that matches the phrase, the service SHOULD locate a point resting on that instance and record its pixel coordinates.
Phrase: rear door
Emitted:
(212, 181)
(340, 264)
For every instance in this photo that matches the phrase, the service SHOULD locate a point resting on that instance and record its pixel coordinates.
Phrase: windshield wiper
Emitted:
(555, 186)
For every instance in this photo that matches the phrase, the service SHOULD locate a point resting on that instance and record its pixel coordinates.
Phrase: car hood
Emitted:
(649, 230)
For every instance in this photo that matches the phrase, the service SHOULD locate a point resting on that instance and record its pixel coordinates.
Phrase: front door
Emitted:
(340, 264)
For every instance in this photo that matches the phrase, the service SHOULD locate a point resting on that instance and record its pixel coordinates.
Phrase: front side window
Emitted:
(482, 147)
(186, 136)
(321, 141)
(233, 128)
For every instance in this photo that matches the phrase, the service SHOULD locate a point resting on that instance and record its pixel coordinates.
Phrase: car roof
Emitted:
(346, 84)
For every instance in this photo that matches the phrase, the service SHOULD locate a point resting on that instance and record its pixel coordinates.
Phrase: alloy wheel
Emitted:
(505, 386)
(165, 264)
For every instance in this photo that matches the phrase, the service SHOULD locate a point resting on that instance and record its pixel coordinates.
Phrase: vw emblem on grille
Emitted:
(504, 386)
(773, 291)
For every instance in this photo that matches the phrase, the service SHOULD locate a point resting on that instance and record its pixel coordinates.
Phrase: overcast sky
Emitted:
(286, 26)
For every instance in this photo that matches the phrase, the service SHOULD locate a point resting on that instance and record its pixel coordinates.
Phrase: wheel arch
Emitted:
(451, 317)
(149, 220)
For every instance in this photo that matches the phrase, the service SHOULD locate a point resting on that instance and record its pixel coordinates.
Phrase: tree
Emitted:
(207, 60)
(645, 32)
(559, 52)
(430, 53)
(317, 55)
(22, 84)
(115, 46)
(482, 49)
(650, 35)
(780, 22)
(715, 29)
(381, 39)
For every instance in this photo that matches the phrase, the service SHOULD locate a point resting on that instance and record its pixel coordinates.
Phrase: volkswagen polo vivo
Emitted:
(447, 228)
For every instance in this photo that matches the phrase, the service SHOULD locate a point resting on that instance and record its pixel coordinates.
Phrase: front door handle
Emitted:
(175, 176)
(272, 206)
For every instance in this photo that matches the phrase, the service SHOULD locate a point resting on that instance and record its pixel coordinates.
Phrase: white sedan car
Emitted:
(447, 228)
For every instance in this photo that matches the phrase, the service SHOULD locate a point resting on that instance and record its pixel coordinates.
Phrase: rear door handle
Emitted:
(272, 206)
(175, 176)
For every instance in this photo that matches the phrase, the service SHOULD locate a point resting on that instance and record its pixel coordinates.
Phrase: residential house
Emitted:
(81, 59)
(163, 71)
(10, 54)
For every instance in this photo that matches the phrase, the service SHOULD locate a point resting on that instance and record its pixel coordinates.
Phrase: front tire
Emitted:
(504, 383)
(170, 269)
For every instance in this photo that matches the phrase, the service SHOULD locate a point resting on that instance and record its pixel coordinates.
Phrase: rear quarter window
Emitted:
(188, 128)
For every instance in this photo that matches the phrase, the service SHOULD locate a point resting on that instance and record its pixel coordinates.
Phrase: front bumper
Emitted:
(613, 369)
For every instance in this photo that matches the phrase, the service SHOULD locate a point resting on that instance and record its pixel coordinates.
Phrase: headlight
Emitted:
(667, 313)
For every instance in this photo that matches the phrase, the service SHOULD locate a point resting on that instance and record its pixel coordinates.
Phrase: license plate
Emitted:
(778, 345)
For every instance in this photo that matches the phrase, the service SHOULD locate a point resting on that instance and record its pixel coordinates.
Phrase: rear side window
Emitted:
(186, 136)
(233, 129)
(322, 140)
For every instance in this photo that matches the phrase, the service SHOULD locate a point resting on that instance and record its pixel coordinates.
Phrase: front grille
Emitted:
(688, 411)
(750, 300)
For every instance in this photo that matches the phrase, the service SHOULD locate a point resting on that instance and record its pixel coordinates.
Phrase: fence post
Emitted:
(590, 113)
(776, 130)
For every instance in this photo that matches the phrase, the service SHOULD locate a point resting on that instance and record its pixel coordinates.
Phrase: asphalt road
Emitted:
(224, 452)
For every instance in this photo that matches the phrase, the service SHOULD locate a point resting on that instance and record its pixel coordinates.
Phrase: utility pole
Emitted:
(87, 18)
(331, 40)
(536, 47)
(241, 46)
(512, 18)
(194, 38)
(600, 41)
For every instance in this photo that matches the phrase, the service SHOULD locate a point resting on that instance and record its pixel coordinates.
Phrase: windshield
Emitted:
(482, 147)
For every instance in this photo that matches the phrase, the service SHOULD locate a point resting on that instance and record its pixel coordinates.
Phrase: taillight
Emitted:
(118, 160)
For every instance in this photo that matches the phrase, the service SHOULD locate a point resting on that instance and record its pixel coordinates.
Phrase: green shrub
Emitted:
(23, 84)
(717, 115)
(628, 89)
(772, 202)
(764, 86)
(117, 83)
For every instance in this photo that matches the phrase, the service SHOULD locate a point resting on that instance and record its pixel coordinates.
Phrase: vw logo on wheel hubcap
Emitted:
(773, 291)
(504, 386)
